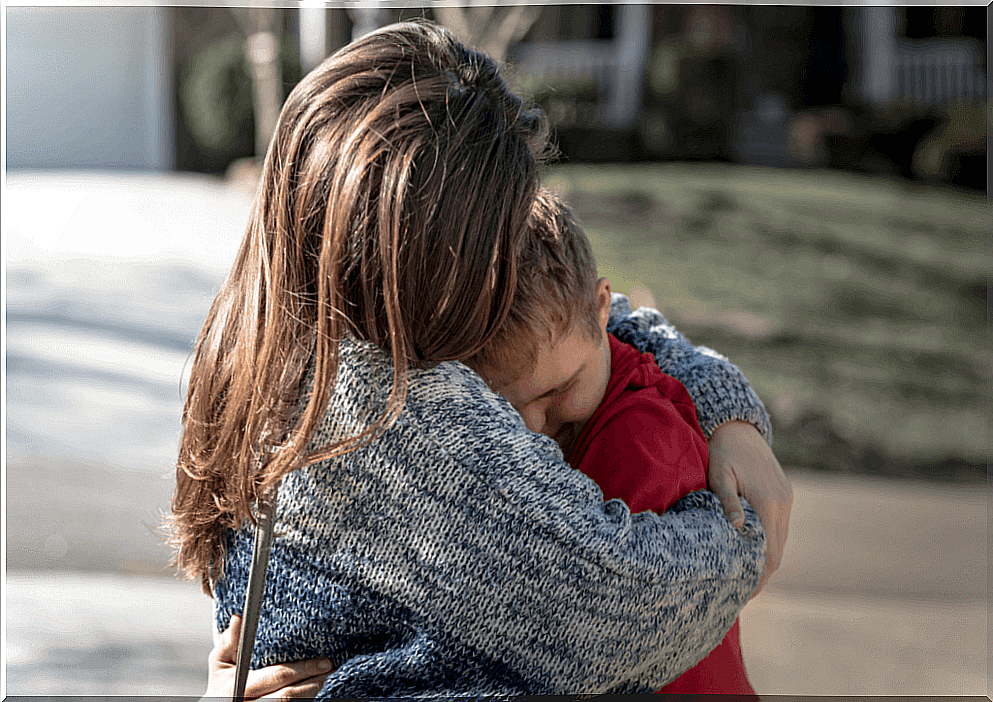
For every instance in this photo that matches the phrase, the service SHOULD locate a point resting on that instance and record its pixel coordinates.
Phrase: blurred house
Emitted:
(853, 87)
(891, 89)
(921, 55)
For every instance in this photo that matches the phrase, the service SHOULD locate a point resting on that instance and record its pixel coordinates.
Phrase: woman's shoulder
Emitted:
(365, 377)
(448, 403)
(452, 431)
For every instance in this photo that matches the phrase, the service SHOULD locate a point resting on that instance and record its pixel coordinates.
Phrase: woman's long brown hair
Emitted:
(391, 207)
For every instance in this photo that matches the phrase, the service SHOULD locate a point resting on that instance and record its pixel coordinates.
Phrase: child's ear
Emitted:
(603, 301)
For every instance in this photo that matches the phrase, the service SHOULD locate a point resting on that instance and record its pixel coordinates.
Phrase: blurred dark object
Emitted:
(215, 97)
(695, 121)
(898, 146)
(826, 71)
(762, 134)
(692, 87)
(890, 148)
(938, 145)
(599, 145)
(955, 151)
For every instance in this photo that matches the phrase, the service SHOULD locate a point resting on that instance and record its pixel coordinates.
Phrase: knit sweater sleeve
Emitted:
(458, 555)
(718, 388)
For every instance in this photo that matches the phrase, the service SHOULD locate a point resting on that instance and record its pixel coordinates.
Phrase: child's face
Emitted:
(568, 380)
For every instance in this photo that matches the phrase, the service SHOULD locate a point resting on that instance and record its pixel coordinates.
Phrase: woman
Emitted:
(427, 543)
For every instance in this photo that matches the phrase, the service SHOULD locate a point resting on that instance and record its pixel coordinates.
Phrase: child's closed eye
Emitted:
(560, 390)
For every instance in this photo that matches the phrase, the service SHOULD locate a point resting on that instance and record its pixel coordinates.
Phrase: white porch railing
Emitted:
(937, 71)
(616, 65)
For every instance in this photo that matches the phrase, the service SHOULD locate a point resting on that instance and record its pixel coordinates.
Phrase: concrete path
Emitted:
(884, 592)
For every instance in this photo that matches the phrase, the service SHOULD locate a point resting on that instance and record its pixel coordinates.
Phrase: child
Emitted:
(618, 418)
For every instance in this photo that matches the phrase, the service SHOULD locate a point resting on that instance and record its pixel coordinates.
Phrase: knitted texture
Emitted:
(458, 555)
(717, 386)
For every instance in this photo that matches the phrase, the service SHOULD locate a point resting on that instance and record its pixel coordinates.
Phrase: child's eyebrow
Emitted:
(563, 386)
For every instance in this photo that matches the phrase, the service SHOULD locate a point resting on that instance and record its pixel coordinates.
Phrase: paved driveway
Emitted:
(884, 592)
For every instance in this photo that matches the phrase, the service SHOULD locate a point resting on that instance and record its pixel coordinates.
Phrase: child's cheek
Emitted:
(579, 407)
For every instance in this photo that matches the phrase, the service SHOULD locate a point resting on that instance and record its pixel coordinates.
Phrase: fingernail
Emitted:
(324, 664)
(735, 516)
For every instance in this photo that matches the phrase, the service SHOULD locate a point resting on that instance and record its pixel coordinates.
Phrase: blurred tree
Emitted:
(216, 91)
(692, 80)
(489, 28)
(215, 95)
(260, 25)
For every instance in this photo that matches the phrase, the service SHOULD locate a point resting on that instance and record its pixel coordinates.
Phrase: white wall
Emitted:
(89, 87)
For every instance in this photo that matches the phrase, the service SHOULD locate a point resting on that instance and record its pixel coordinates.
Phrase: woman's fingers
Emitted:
(300, 679)
(277, 681)
(742, 462)
(307, 689)
(226, 643)
(724, 484)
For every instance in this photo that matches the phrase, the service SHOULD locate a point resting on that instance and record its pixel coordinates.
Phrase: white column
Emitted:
(158, 101)
(877, 45)
(313, 34)
(634, 27)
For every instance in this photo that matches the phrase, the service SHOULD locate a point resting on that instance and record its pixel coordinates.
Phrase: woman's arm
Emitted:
(732, 417)
(457, 554)
(719, 390)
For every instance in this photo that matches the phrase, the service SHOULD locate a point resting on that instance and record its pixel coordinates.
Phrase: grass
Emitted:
(857, 306)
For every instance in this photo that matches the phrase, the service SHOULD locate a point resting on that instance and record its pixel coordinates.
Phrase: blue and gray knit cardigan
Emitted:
(458, 555)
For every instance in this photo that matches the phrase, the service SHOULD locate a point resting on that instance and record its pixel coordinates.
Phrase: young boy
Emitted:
(605, 403)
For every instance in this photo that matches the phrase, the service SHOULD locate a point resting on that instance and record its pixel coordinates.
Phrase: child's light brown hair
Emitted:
(556, 289)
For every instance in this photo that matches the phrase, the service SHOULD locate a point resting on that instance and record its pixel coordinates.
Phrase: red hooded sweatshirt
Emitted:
(643, 445)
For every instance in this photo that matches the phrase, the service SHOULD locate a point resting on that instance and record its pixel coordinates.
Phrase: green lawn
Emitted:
(857, 306)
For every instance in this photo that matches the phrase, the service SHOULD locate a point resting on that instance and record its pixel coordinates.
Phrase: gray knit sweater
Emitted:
(459, 555)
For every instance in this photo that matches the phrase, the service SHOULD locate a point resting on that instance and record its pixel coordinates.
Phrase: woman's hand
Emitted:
(277, 682)
(741, 463)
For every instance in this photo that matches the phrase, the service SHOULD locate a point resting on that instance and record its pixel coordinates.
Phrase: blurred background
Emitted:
(802, 188)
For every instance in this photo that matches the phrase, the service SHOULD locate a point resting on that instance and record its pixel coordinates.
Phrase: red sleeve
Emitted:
(646, 453)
